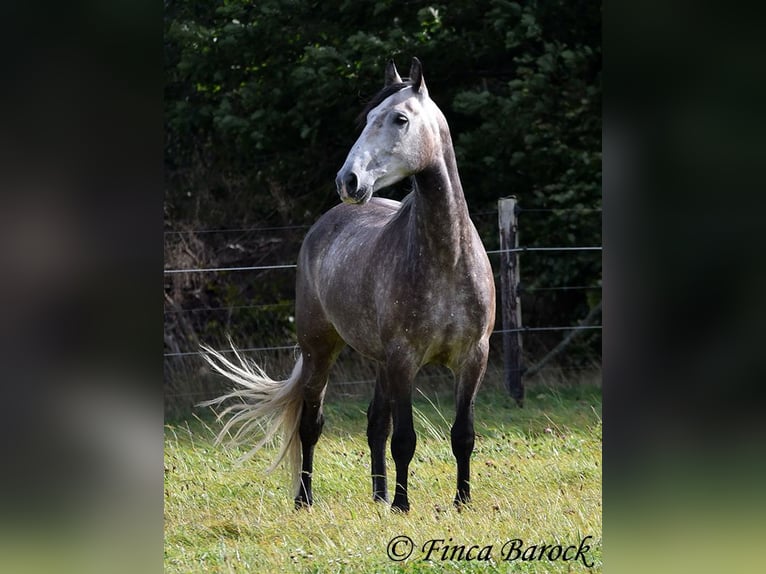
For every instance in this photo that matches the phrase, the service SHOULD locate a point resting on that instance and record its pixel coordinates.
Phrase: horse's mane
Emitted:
(378, 98)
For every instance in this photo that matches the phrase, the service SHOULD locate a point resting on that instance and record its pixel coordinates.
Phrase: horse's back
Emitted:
(345, 226)
(375, 213)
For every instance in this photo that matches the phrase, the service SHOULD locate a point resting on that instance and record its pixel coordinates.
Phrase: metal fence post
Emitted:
(510, 303)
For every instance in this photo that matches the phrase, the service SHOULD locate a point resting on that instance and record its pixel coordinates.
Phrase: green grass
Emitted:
(536, 476)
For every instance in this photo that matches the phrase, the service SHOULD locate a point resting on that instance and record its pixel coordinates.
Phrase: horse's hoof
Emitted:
(303, 504)
(400, 507)
(462, 501)
(380, 498)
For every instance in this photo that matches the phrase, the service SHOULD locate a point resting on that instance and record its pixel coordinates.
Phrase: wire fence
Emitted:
(258, 229)
(351, 385)
(294, 266)
(290, 266)
(217, 269)
(496, 332)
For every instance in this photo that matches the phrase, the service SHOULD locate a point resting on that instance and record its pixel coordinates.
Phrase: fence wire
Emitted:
(521, 288)
(306, 226)
(294, 345)
(293, 265)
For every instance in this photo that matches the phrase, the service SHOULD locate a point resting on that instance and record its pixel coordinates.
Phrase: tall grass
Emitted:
(536, 477)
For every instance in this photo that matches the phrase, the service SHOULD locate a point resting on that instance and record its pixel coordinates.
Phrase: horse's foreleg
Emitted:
(399, 377)
(462, 433)
(378, 429)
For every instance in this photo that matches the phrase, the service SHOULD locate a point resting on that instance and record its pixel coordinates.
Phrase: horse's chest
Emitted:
(442, 313)
(450, 309)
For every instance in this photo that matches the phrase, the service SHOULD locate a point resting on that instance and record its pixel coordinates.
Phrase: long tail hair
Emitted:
(263, 407)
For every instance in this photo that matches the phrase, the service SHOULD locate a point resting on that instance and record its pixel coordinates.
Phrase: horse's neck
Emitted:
(440, 222)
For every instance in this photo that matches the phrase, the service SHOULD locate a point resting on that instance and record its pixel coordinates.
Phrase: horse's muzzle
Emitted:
(349, 189)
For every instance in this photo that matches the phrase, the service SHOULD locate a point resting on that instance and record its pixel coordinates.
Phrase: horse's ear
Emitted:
(392, 76)
(416, 77)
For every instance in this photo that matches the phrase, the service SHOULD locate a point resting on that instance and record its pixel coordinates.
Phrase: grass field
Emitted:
(536, 479)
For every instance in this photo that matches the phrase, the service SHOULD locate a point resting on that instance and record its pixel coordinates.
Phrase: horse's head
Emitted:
(400, 137)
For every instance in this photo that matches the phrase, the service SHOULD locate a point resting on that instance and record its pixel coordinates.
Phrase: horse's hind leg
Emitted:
(378, 429)
(317, 361)
(462, 433)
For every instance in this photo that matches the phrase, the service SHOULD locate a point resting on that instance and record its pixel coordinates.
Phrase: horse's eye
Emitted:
(400, 119)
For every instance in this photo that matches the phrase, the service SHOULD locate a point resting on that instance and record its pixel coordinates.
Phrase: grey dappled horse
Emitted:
(404, 284)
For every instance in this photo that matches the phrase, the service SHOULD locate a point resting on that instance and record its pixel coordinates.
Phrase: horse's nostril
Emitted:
(350, 182)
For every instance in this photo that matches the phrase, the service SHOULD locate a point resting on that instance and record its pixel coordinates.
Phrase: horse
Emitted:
(404, 284)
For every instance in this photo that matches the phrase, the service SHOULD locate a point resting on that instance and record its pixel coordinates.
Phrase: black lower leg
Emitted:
(378, 469)
(462, 433)
(378, 429)
(312, 421)
(463, 436)
(305, 498)
(402, 450)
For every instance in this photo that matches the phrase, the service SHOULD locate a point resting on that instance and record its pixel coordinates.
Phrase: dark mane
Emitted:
(378, 98)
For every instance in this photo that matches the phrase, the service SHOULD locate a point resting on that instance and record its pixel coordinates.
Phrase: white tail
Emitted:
(265, 406)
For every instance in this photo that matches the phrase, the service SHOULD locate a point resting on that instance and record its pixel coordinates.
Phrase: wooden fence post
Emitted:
(510, 303)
